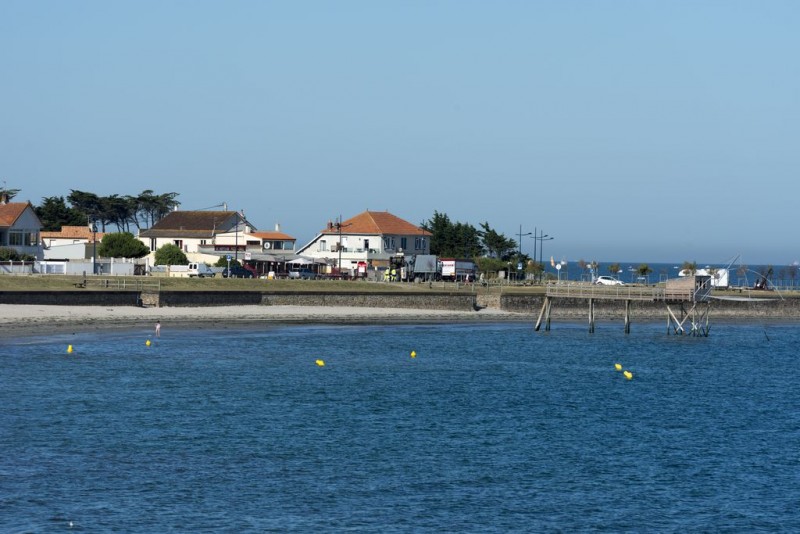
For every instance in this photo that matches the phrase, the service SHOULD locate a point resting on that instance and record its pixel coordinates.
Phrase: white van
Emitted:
(200, 270)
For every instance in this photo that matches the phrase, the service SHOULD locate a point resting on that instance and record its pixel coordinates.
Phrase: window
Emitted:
(366, 244)
(404, 243)
(153, 244)
(23, 238)
(323, 245)
(388, 243)
(178, 243)
(419, 243)
(16, 238)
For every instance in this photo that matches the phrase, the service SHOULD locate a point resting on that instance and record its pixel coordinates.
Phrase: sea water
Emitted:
(490, 428)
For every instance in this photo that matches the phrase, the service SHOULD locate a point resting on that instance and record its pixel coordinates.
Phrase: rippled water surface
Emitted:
(490, 428)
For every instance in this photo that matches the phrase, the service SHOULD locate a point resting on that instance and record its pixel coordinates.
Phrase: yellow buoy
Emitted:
(147, 342)
(628, 375)
(321, 363)
(618, 366)
(413, 354)
(69, 349)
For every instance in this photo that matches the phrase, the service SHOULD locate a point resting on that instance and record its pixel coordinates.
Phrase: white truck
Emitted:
(456, 270)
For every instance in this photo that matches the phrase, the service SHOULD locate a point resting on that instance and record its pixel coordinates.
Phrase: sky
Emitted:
(625, 130)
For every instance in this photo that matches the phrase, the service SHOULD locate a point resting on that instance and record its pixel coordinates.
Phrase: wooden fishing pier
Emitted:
(685, 299)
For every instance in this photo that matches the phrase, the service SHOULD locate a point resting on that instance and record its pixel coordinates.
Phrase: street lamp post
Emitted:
(93, 229)
(339, 245)
(542, 237)
(236, 240)
(519, 244)
(338, 225)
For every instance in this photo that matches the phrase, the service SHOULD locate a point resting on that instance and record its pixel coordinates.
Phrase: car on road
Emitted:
(236, 271)
(608, 281)
(302, 274)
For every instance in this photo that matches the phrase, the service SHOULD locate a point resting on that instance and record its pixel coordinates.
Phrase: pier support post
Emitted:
(542, 313)
(591, 316)
(627, 316)
(547, 315)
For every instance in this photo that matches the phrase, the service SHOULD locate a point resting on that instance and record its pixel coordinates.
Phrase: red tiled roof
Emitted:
(11, 211)
(273, 236)
(377, 222)
(71, 232)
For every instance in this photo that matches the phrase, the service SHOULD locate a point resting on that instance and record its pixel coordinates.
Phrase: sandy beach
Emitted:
(26, 320)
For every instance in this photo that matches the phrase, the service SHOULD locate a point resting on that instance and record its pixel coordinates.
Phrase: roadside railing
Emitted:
(120, 283)
(588, 290)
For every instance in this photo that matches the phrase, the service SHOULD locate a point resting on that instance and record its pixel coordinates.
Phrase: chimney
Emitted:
(4, 198)
(277, 227)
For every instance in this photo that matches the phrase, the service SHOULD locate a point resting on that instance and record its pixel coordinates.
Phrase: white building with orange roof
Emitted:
(369, 239)
(20, 227)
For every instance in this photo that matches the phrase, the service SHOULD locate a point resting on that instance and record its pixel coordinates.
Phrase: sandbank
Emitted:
(21, 320)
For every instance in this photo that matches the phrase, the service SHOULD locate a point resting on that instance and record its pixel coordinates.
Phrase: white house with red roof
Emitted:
(20, 228)
(370, 238)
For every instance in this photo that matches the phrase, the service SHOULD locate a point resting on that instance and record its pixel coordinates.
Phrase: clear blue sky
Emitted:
(629, 131)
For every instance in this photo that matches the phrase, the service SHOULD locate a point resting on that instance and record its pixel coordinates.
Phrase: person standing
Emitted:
(158, 328)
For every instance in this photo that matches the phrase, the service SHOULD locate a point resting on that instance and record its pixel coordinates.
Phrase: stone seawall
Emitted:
(427, 301)
(420, 301)
(81, 297)
(606, 309)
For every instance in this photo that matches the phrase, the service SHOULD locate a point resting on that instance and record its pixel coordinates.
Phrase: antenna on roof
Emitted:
(224, 207)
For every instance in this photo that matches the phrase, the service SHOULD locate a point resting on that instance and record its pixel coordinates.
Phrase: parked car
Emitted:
(303, 274)
(608, 281)
(236, 271)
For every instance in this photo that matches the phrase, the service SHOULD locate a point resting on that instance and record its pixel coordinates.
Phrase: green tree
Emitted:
(153, 207)
(535, 268)
(122, 245)
(54, 214)
(170, 254)
(690, 267)
(496, 244)
(613, 269)
(452, 239)
(223, 262)
(644, 270)
(118, 211)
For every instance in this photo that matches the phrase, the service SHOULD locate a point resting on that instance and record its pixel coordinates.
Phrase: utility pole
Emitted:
(519, 244)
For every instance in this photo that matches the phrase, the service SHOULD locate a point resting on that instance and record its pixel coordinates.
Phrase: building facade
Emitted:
(205, 236)
(370, 239)
(20, 228)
